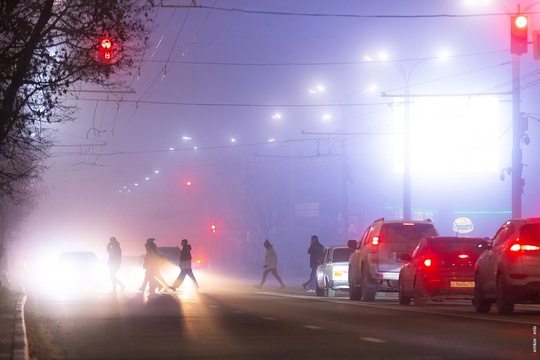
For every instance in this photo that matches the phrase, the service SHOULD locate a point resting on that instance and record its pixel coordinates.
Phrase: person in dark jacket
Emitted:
(185, 266)
(316, 257)
(114, 262)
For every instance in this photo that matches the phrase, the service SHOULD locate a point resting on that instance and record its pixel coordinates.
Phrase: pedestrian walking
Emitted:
(270, 265)
(316, 257)
(185, 266)
(114, 262)
(152, 263)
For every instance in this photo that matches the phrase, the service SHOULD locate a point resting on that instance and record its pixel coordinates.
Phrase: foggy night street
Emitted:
(240, 323)
(141, 138)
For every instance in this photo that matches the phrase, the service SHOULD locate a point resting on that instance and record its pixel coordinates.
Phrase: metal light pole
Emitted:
(517, 164)
(517, 130)
(344, 206)
(407, 206)
(517, 126)
(407, 153)
(344, 181)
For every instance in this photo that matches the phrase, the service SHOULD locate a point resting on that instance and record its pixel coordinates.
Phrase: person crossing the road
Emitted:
(270, 265)
(316, 257)
(115, 259)
(185, 266)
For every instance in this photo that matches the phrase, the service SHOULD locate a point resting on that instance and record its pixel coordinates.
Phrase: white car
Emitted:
(333, 273)
(508, 272)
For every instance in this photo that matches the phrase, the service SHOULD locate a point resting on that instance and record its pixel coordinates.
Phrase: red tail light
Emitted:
(375, 240)
(523, 247)
(427, 262)
(463, 256)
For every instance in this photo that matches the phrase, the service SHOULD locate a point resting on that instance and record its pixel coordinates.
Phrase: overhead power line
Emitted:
(358, 16)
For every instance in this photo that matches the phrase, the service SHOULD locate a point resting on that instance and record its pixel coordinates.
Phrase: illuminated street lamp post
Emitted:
(407, 206)
(344, 223)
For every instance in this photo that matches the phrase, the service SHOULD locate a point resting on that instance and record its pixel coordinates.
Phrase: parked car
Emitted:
(376, 261)
(508, 272)
(439, 268)
(332, 274)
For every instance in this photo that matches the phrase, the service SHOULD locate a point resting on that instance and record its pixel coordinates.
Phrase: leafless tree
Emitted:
(46, 47)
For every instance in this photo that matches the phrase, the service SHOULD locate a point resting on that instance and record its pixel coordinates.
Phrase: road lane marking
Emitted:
(312, 327)
(374, 340)
(488, 317)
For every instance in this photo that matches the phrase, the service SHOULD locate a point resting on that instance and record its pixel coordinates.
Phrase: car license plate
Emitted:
(462, 284)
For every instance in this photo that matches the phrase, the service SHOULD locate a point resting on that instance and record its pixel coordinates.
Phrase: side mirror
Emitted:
(484, 245)
(406, 257)
(352, 244)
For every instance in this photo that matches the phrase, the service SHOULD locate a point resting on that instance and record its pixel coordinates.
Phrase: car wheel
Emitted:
(505, 303)
(329, 291)
(481, 304)
(403, 299)
(419, 297)
(355, 292)
(368, 290)
(318, 290)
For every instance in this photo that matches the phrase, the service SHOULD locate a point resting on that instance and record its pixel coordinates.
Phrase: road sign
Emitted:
(306, 209)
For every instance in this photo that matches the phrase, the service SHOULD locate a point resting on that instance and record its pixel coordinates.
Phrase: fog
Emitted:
(242, 70)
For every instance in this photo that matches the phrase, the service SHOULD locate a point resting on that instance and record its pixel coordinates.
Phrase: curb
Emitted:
(20, 341)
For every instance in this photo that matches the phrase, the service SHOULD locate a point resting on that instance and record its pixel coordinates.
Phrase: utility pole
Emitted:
(518, 46)
(407, 211)
(517, 156)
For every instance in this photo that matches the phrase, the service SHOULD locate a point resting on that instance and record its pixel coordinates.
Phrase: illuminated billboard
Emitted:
(449, 134)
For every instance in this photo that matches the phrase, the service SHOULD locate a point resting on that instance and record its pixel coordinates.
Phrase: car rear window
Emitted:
(342, 254)
(456, 246)
(530, 233)
(406, 232)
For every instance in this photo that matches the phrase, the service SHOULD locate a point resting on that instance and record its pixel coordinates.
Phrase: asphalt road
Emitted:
(241, 322)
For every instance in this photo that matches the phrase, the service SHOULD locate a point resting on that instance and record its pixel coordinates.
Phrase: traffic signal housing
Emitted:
(519, 29)
(536, 44)
(106, 49)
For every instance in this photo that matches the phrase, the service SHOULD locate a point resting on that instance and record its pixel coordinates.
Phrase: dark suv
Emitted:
(377, 258)
(508, 272)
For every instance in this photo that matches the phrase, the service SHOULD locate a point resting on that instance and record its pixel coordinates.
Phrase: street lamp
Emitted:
(407, 138)
(407, 73)
(344, 224)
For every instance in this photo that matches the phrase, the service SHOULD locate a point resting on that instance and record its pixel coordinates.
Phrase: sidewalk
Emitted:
(13, 343)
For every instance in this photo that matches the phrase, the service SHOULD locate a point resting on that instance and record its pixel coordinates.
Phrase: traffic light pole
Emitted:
(517, 165)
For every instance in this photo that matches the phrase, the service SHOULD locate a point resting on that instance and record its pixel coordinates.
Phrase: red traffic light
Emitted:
(519, 28)
(106, 48)
(213, 228)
